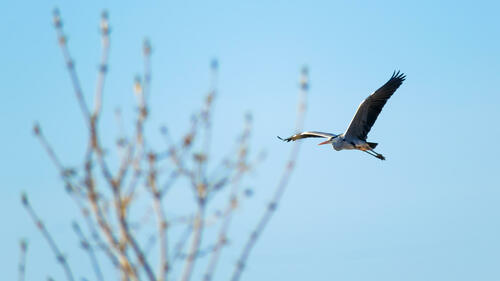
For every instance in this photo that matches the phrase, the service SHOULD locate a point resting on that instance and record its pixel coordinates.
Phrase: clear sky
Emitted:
(430, 212)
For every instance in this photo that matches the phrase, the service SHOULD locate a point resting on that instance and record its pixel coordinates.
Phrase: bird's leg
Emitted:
(378, 155)
(374, 154)
(367, 151)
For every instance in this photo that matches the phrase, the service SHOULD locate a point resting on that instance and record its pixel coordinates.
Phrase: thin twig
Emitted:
(178, 154)
(103, 67)
(22, 259)
(70, 65)
(102, 222)
(61, 259)
(66, 173)
(91, 123)
(174, 175)
(127, 236)
(146, 50)
(195, 243)
(161, 218)
(141, 90)
(119, 200)
(84, 242)
(270, 210)
(207, 122)
(202, 252)
(180, 244)
(79, 201)
(37, 130)
(120, 207)
(222, 236)
(96, 237)
(199, 179)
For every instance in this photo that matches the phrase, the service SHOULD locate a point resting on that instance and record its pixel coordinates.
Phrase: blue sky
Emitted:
(430, 212)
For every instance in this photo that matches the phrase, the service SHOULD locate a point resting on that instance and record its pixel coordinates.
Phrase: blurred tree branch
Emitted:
(109, 199)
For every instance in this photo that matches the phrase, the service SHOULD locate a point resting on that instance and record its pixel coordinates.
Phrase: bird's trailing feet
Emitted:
(375, 154)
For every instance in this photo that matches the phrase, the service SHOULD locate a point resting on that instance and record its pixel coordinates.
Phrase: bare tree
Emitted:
(111, 201)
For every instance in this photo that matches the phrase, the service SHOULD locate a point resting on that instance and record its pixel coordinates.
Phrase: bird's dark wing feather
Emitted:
(370, 108)
(311, 134)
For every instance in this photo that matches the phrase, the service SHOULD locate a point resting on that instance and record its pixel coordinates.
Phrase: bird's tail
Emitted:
(372, 144)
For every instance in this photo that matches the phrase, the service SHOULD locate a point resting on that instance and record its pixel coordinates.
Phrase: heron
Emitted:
(366, 115)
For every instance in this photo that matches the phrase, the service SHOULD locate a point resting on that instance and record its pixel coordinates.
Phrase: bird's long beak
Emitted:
(325, 142)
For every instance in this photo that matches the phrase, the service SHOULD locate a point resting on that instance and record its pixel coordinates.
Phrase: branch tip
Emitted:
(24, 199)
(57, 18)
(36, 129)
(214, 64)
(105, 23)
(23, 244)
(146, 47)
(304, 79)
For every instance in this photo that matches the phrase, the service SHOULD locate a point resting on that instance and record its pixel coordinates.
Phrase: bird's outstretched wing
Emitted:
(370, 108)
(311, 134)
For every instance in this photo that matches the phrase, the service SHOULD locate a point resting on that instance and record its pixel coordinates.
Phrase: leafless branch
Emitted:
(37, 130)
(22, 259)
(232, 202)
(61, 259)
(195, 243)
(70, 64)
(107, 194)
(283, 182)
(93, 231)
(103, 67)
(162, 223)
(179, 246)
(85, 244)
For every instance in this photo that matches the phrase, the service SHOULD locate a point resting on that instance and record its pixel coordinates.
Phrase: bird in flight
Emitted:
(366, 115)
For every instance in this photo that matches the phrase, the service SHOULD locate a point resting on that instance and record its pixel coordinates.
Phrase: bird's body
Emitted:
(366, 115)
(341, 142)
